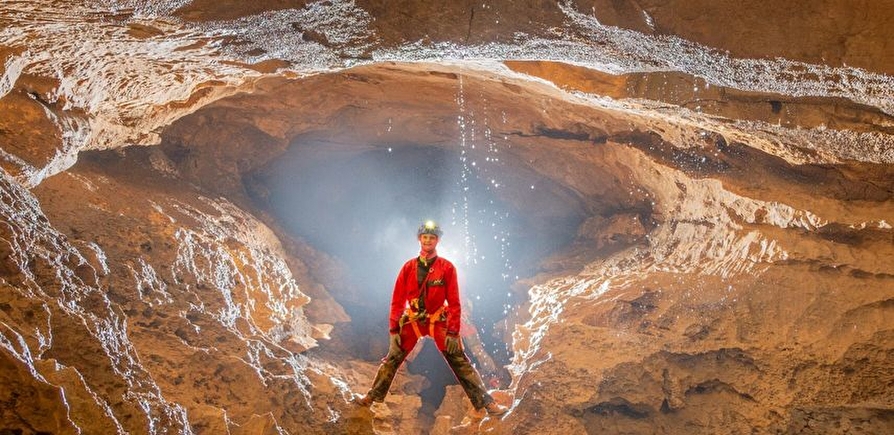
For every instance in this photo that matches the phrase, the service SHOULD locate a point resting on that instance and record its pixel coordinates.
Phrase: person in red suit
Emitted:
(426, 303)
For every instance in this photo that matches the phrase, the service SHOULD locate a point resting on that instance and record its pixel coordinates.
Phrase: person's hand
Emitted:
(452, 344)
(394, 343)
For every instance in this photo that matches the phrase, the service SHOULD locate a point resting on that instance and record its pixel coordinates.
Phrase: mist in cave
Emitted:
(363, 206)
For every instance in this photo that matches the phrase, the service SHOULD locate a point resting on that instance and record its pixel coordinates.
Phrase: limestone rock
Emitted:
(703, 194)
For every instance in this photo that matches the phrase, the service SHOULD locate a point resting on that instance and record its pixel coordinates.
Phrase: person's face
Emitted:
(428, 242)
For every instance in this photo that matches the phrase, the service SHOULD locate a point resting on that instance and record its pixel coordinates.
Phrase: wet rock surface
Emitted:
(717, 179)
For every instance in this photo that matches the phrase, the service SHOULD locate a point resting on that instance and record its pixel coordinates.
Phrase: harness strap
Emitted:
(413, 319)
(434, 318)
(416, 330)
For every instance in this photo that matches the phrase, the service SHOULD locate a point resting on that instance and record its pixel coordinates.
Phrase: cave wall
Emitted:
(730, 163)
(754, 327)
(144, 307)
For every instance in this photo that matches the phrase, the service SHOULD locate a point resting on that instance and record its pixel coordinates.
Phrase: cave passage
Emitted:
(363, 206)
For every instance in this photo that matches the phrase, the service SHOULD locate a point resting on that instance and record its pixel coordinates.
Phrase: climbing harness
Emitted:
(416, 311)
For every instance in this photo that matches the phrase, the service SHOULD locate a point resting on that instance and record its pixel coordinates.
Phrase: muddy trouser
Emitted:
(462, 368)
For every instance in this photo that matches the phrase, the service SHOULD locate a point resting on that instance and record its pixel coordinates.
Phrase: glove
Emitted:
(452, 344)
(394, 343)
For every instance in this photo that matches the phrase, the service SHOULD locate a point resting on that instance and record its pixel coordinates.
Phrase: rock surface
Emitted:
(727, 167)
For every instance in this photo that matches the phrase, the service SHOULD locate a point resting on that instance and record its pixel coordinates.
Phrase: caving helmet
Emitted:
(429, 227)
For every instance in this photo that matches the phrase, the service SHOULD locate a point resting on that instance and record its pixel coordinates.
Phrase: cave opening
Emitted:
(362, 205)
(350, 171)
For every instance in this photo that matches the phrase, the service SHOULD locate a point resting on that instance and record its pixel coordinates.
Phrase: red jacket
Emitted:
(442, 286)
